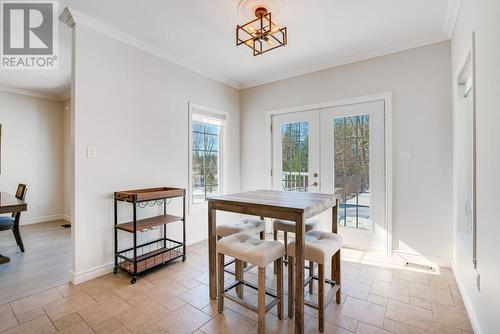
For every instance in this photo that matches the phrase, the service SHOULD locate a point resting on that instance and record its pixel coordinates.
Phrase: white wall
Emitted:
(420, 82)
(484, 306)
(133, 108)
(67, 154)
(32, 153)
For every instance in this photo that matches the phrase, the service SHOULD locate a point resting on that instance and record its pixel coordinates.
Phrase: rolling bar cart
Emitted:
(142, 257)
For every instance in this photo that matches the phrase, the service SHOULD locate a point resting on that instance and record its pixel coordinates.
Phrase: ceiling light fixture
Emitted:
(261, 34)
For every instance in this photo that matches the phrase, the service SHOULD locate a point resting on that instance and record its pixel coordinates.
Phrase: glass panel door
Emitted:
(353, 165)
(296, 151)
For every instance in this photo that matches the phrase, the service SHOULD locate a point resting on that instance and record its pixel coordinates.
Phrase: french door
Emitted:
(337, 150)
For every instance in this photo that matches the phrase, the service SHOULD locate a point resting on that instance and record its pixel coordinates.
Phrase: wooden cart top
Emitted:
(149, 194)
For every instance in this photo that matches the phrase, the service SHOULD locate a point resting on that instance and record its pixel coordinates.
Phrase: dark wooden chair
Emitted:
(12, 223)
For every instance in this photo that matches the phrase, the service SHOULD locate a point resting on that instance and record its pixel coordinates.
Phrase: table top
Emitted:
(310, 204)
(9, 203)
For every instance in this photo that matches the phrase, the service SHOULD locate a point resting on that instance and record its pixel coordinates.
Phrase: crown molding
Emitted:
(31, 93)
(72, 17)
(451, 17)
(349, 60)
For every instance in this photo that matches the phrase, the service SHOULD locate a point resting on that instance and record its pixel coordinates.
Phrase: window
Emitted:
(352, 170)
(295, 156)
(207, 132)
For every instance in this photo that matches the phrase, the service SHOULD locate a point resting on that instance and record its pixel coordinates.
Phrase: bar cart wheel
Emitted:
(115, 270)
(133, 280)
(184, 258)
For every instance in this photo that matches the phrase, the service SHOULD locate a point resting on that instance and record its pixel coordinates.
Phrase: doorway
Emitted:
(338, 149)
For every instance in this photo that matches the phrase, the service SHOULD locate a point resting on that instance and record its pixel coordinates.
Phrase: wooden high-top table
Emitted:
(294, 206)
(10, 204)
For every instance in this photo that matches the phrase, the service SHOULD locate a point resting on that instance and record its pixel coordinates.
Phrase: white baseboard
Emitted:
(45, 219)
(467, 302)
(196, 239)
(66, 218)
(91, 273)
(108, 268)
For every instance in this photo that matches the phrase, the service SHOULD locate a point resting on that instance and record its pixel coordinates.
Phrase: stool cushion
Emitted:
(247, 225)
(320, 246)
(246, 248)
(289, 226)
(6, 223)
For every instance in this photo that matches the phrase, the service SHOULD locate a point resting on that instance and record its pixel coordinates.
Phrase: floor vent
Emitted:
(419, 266)
(66, 225)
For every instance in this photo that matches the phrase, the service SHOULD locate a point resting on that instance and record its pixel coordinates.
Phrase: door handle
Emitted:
(315, 184)
(315, 174)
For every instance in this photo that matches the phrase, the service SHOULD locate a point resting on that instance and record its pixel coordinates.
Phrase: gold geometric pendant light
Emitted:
(261, 34)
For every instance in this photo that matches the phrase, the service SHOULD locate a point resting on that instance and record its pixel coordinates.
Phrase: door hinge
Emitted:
(271, 172)
(271, 127)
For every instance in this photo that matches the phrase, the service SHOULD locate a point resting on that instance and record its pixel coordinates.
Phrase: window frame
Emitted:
(210, 113)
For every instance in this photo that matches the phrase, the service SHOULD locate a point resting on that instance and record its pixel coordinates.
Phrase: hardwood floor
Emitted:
(378, 297)
(44, 264)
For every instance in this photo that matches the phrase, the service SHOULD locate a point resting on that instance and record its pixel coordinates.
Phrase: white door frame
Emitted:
(387, 98)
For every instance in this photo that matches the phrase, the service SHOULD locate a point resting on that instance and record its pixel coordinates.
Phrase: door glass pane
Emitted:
(352, 170)
(295, 156)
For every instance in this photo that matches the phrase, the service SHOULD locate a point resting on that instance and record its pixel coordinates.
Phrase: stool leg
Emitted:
(220, 287)
(290, 286)
(321, 297)
(263, 233)
(285, 239)
(311, 274)
(337, 276)
(279, 284)
(262, 300)
(239, 277)
(275, 238)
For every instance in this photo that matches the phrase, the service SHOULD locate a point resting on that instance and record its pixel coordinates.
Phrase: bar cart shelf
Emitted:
(142, 257)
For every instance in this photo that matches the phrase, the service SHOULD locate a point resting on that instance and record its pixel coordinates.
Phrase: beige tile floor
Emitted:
(378, 297)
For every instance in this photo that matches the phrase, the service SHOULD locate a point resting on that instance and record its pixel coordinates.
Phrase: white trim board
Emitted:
(387, 98)
(379, 52)
(45, 219)
(467, 302)
(32, 93)
(71, 17)
(78, 278)
(451, 17)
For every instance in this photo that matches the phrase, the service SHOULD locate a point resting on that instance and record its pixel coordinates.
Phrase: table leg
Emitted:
(335, 217)
(335, 265)
(299, 274)
(212, 248)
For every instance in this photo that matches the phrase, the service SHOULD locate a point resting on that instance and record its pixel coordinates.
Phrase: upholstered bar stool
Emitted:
(289, 227)
(320, 247)
(261, 253)
(245, 225)
(249, 226)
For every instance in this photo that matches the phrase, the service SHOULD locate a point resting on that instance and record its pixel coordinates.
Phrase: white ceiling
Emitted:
(201, 35)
